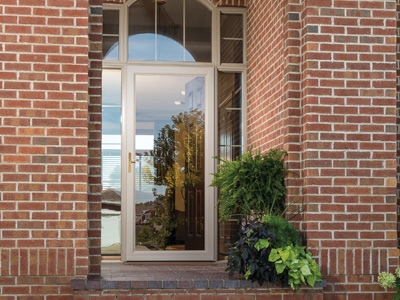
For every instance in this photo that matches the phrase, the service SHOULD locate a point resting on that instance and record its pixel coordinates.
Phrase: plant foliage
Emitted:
(389, 280)
(256, 258)
(286, 234)
(249, 255)
(251, 184)
(301, 268)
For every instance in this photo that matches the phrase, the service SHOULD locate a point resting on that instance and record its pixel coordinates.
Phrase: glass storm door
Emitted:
(168, 150)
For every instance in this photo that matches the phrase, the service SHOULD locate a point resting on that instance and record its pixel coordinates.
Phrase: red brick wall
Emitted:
(265, 55)
(347, 114)
(274, 92)
(398, 120)
(43, 146)
(94, 144)
(349, 140)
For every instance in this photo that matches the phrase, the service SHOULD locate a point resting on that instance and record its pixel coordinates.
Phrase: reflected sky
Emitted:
(142, 47)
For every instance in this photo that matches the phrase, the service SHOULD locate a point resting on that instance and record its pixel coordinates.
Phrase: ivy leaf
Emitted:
(311, 280)
(280, 267)
(305, 270)
(274, 256)
(261, 244)
(285, 254)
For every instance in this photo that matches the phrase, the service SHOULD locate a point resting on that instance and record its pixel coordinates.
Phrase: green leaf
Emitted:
(274, 256)
(285, 254)
(247, 274)
(280, 267)
(311, 280)
(261, 244)
(305, 270)
(396, 297)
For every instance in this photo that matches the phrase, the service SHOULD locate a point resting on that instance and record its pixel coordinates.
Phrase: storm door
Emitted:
(168, 145)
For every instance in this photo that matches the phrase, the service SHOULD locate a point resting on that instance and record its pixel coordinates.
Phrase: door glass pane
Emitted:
(231, 38)
(111, 163)
(198, 31)
(169, 168)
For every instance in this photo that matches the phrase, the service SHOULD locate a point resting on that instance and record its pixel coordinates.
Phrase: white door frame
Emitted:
(128, 145)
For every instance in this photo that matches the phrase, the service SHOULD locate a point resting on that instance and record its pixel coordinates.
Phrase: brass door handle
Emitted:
(130, 162)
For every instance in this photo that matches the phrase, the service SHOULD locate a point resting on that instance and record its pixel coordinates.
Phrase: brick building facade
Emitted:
(321, 83)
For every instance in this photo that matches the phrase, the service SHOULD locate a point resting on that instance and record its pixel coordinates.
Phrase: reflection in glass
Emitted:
(198, 31)
(167, 41)
(229, 141)
(231, 38)
(170, 25)
(141, 21)
(111, 163)
(110, 34)
(169, 181)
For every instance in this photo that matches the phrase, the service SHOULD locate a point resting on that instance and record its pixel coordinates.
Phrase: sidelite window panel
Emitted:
(111, 163)
(231, 42)
(229, 115)
(230, 141)
(111, 34)
(172, 100)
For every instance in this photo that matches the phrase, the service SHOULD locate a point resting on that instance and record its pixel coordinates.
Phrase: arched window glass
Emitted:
(178, 30)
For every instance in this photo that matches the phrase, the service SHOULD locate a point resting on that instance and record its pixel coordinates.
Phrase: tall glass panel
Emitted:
(142, 39)
(111, 163)
(111, 34)
(169, 177)
(230, 142)
(198, 31)
(231, 38)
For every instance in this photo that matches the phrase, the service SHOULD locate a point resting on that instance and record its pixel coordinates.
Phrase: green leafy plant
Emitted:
(301, 268)
(285, 232)
(389, 280)
(253, 184)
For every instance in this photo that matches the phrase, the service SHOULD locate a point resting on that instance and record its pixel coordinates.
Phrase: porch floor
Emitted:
(167, 276)
(163, 271)
(163, 275)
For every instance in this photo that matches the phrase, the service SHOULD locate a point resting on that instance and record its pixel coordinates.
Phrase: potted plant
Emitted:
(252, 185)
(267, 249)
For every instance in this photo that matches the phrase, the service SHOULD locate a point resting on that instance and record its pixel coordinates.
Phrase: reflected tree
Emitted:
(179, 166)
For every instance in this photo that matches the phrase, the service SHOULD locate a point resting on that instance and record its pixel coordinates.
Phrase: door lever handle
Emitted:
(130, 162)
